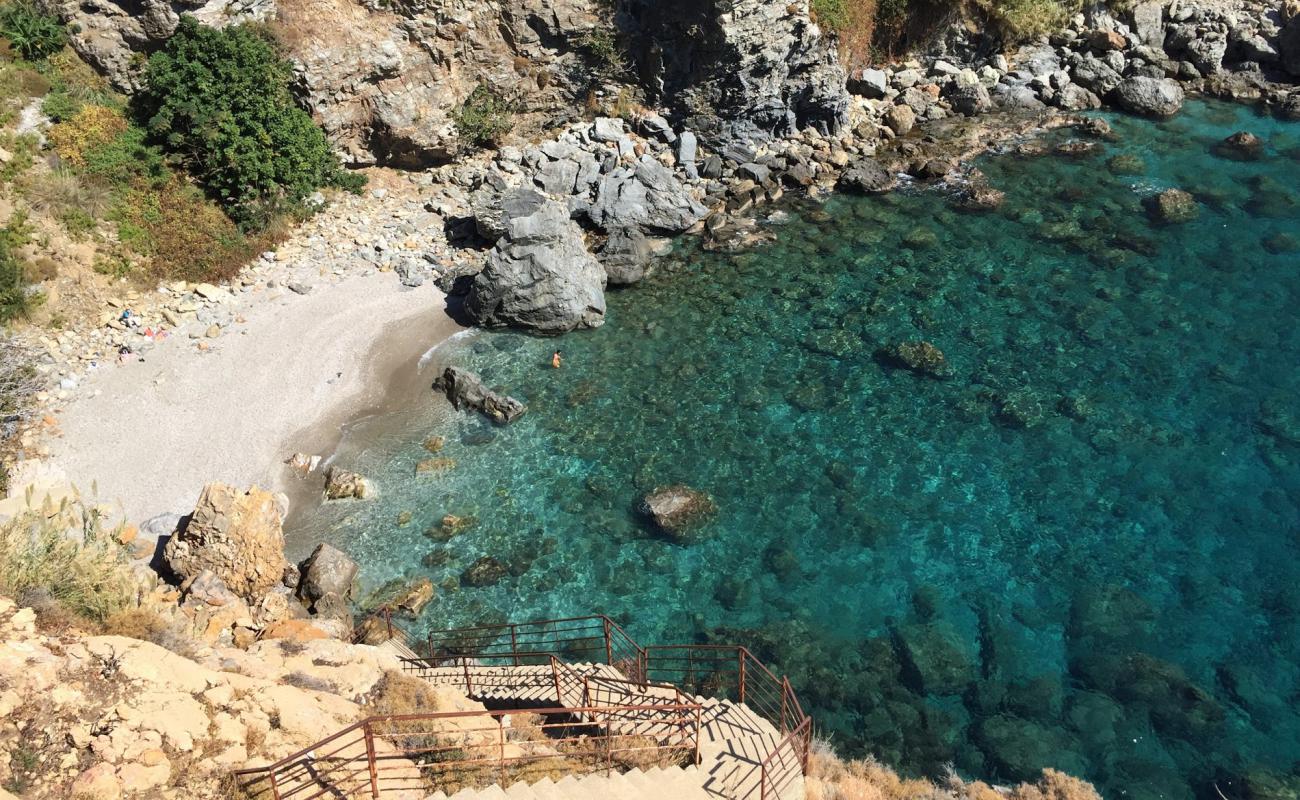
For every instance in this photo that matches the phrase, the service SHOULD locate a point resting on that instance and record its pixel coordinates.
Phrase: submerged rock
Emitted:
(341, 484)
(935, 658)
(486, 571)
(234, 534)
(920, 357)
(676, 509)
(1173, 207)
(1241, 146)
(1153, 97)
(465, 389)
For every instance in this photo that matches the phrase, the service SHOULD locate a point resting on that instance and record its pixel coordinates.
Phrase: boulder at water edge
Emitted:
(235, 534)
(1152, 97)
(328, 570)
(539, 274)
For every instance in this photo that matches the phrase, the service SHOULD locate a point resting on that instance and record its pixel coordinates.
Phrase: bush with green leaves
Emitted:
(14, 298)
(220, 99)
(484, 118)
(31, 32)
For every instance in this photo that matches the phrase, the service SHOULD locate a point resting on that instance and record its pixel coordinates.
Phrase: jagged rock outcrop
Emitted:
(109, 34)
(234, 534)
(738, 69)
(539, 275)
(645, 196)
(466, 389)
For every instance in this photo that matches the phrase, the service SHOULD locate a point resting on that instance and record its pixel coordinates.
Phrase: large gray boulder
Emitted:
(539, 275)
(327, 571)
(1152, 97)
(647, 196)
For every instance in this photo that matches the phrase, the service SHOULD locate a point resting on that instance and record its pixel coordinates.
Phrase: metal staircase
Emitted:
(576, 710)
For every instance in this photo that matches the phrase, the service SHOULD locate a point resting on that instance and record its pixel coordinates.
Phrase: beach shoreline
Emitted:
(149, 435)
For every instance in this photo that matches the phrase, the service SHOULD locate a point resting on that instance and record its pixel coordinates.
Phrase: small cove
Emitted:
(1079, 550)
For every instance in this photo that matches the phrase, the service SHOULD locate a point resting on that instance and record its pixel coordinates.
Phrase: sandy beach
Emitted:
(148, 436)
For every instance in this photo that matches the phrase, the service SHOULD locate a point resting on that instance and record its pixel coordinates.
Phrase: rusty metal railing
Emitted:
(530, 664)
(412, 753)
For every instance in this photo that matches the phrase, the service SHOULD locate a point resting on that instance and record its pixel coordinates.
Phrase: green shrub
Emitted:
(74, 85)
(14, 298)
(32, 33)
(183, 235)
(23, 148)
(220, 99)
(484, 118)
(832, 14)
(127, 160)
(603, 52)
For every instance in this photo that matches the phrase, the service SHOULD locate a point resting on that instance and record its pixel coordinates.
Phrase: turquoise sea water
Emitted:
(1080, 550)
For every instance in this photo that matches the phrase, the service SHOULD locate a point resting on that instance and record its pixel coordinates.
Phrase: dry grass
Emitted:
(65, 555)
(833, 778)
(63, 190)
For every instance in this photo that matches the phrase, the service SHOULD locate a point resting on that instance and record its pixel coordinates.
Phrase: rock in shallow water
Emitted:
(920, 357)
(465, 389)
(676, 509)
(341, 484)
(1173, 207)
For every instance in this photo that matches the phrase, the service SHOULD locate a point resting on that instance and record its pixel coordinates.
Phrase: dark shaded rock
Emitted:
(628, 255)
(676, 509)
(744, 70)
(328, 570)
(1153, 97)
(486, 571)
(1173, 207)
(465, 389)
(969, 99)
(1281, 243)
(1240, 146)
(866, 175)
(539, 274)
(920, 357)
(935, 658)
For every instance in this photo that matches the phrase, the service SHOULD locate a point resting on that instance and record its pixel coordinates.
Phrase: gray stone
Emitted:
(607, 129)
(1157, 97)
(755, 172)
(1096, 75)
(492, 210)
(1148, 22)
(657, 126)
(969, 99)
(557, 177)
(687, 148)
(328, 570)
(539, 275)
(648, 196)
(870, 83)
(712, 167)
(1016, 98)
(466, 390)
(868, 176)
(628, 255)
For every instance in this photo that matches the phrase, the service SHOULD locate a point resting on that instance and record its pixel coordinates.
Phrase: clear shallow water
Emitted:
(1078, 551)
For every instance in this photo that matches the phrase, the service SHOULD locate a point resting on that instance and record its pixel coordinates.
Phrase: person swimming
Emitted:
(555, 359)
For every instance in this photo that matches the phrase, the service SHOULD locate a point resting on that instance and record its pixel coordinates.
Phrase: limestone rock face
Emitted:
(738, 68)
(539, 276)
(235, 534)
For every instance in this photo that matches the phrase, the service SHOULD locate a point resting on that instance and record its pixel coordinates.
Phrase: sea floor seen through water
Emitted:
(1080, 549)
